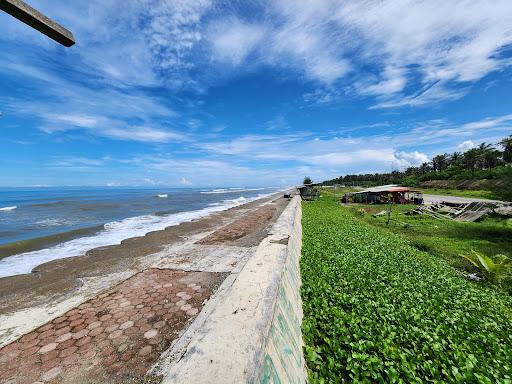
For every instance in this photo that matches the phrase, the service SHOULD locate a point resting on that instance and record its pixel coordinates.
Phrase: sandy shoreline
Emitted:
(58, 280)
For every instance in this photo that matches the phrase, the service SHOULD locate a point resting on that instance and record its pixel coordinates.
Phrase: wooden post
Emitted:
(37, 20)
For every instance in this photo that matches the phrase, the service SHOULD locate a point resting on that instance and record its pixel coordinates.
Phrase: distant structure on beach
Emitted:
(385, 194)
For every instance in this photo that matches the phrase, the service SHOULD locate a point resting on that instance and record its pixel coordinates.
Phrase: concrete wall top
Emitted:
(246, 333)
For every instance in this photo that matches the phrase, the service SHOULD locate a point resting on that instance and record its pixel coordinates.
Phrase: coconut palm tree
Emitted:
(506, 143)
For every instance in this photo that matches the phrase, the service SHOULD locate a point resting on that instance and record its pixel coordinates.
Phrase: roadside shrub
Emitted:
(376, 310)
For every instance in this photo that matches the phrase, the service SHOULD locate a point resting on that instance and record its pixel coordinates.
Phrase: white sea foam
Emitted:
(8, 208)
(54, 222)
(113, 233)
(231, 190)
(162, 195)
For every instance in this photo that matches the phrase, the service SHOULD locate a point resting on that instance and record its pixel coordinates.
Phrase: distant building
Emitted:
(384, 194)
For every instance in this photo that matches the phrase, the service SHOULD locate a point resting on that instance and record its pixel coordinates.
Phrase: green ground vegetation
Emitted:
(379, 310)
(446, 239)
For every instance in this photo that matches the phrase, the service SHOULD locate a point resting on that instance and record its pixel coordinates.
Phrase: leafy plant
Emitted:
(377, 310)
(493, 270)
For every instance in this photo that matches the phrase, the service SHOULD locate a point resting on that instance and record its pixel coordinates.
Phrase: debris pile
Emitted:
(468, 212)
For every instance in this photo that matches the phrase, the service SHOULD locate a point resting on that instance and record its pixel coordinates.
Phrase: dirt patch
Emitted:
(115, 337)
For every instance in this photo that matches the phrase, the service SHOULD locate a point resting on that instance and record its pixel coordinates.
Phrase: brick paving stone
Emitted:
(159, 324)
(59, 320)
(145, 351)
(51, 374)
(67, 352)
(117, 333)
(62, 331)
(111, 328)
(126, 324)
(80, 334)
(64, 337)
(67, 343)
(48, 347)
(151, 333)
(83, 341)
(94, 325)
(95, 332)
(29, 344)
(105, 317)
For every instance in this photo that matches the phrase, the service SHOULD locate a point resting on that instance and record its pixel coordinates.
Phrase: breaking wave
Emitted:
(112, 233)
(12, 208)
(231, 190)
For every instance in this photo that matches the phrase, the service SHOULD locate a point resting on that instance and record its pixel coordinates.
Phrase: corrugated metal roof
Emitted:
(387, 188)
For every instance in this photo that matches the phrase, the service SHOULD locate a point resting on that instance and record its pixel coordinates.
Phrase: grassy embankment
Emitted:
(445, 239)
(481, 194)
(377, 309)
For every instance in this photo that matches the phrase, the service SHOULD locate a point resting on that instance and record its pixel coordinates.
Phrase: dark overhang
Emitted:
(37, 20)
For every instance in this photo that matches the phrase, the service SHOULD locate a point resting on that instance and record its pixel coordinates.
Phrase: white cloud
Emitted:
(466, 145)
(149, 181)
(107, 127)
(444, 41)
(233, 40)
(376, 47)
(185, 181)
(409, 159)
(141, 133)
(403, 52)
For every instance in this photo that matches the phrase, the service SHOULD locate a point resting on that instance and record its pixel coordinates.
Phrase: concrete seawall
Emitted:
(250, 332)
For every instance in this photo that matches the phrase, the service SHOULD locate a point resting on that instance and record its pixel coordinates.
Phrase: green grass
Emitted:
(459, 192)
(378, 310)
(443, 238)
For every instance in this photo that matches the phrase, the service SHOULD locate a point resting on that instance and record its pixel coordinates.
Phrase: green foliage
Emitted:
(504, 191)
(493, 270)
(307, 180)
(377, 310)
(446, 239)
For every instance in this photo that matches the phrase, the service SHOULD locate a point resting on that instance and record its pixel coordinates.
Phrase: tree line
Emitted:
(486, 161)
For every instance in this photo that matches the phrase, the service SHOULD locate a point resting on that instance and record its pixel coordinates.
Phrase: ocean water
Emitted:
(40, 225)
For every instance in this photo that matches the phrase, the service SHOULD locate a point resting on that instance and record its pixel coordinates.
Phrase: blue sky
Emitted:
(205, 93)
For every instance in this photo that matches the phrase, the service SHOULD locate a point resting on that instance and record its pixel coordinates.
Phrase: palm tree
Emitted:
(424, 168)
(439, 162)
(506, 143)
(470, 159)
(482, 154)
(455, 159)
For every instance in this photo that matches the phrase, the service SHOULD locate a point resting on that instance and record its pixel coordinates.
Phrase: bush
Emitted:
(504, 191)
(377, 310)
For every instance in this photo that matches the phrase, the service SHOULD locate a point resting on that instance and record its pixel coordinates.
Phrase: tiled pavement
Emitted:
(241, 227)
(113, 338)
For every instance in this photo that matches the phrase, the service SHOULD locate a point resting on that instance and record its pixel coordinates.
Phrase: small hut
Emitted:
(309, 192)
(385, 194)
